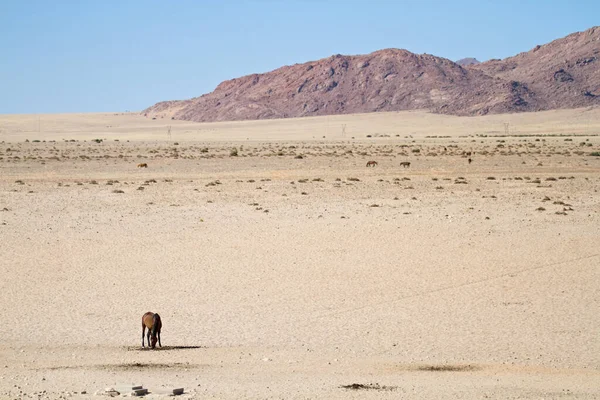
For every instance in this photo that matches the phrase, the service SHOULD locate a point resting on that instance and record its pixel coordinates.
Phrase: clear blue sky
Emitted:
(109, 55)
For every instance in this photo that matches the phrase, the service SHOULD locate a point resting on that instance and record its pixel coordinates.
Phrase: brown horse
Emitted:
(371, 163)
(142, 165)
(154, 324)
(405, 164)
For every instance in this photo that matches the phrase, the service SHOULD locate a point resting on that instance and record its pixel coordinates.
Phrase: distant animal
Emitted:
(371, 163)
(142, 165)
(470, 161)
(154, 324)
(405, 164)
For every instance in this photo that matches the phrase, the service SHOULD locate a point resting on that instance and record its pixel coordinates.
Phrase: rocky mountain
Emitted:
(562, 74)
(463, 62)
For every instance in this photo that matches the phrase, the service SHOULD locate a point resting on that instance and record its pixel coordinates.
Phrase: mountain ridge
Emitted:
(564, 73)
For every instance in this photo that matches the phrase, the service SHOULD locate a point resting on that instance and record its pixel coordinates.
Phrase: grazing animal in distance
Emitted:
(405, 164)
(371, 163)
(153, 322)
(142, 165)
(470, 161)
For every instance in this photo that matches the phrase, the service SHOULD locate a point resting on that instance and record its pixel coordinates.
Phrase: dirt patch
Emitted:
(369, 386)
(143, 366)
(447, 368)
(127, 366)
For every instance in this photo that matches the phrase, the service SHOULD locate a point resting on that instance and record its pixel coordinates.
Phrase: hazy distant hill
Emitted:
(467, 61)
(562, 74)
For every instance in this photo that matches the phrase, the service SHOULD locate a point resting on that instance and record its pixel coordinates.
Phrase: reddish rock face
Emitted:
(562, 74)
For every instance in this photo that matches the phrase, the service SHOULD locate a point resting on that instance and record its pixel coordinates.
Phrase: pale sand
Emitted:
(133, 126)
(324, 289)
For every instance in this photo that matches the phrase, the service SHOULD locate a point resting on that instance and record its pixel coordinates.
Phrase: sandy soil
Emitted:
(292, 270)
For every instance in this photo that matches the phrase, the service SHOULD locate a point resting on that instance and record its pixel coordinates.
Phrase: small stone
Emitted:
(139, 392)
(178, 391)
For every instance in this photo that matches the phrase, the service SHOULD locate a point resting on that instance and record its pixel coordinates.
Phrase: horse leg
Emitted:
(148, 337)
(143, 331)
(159, 339)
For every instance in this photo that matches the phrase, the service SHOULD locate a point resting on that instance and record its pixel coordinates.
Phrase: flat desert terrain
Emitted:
(291, 270)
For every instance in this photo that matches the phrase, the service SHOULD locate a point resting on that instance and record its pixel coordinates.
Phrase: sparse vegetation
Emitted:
(447, 368)
(369, 386)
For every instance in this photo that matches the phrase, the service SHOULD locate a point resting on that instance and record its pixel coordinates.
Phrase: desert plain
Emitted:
(283, 267)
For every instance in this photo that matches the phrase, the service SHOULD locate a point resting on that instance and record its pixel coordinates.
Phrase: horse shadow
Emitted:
(163, 348)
